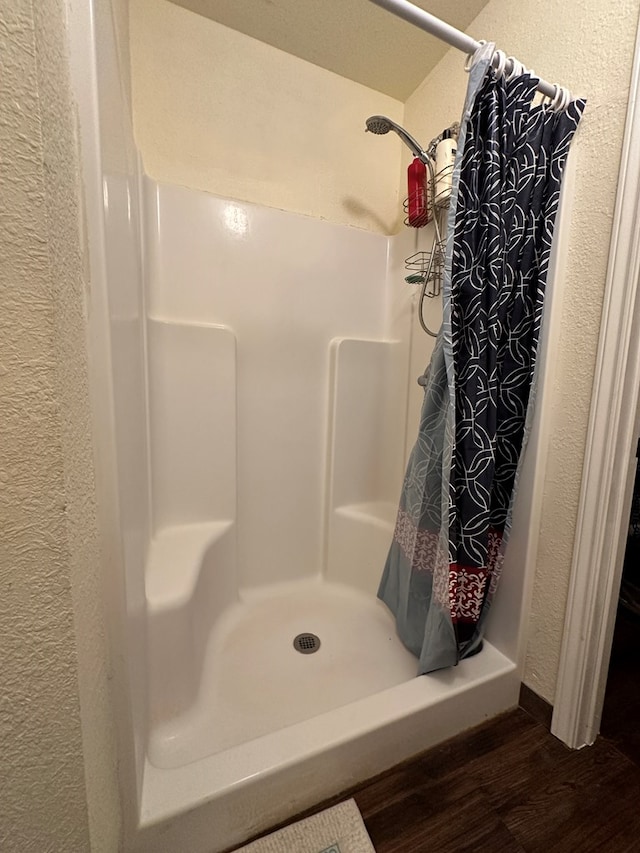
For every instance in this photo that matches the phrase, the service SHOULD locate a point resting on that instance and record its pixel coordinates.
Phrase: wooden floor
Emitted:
(509, 786)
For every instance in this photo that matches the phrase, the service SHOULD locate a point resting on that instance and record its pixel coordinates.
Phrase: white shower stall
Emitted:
(254, 381)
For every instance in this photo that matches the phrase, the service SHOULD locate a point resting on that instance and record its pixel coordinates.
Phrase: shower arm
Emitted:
(412, 143)
(381, 125)
(430, 153)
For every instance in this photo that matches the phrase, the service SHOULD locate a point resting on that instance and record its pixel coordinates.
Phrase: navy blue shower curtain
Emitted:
(455, 509)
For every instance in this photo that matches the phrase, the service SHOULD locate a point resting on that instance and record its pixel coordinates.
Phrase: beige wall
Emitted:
(58, 781)
(586, 47)
(219, 111)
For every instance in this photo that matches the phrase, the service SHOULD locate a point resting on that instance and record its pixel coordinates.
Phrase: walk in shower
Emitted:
(277, 420)
(256, 370)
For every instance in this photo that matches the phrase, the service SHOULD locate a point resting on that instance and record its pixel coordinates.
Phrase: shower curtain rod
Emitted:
(443, 31)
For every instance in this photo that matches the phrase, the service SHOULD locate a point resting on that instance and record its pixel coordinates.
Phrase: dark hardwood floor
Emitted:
(507, 786)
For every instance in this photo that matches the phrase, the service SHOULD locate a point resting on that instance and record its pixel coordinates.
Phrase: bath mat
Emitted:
(336, 830)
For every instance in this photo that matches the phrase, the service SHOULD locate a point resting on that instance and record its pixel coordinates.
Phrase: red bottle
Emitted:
(417, 207)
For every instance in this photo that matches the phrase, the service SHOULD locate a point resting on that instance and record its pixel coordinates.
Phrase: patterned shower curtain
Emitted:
(455, 509)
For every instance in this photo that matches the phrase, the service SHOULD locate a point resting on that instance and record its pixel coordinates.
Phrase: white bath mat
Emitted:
(336, 830)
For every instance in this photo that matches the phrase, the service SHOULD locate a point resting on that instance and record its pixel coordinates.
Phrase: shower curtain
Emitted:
(455, 508)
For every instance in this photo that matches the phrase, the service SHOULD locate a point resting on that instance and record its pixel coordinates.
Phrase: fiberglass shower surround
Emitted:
(260, 432)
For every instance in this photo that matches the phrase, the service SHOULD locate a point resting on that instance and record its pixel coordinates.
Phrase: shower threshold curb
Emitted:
(245, 790)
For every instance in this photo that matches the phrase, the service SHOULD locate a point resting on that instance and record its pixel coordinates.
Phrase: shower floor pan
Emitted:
(273, 731)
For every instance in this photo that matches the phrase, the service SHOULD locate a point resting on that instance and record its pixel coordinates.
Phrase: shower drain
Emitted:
(306, 644)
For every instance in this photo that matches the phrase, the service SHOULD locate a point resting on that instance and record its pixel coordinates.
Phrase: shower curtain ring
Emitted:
(517, 69)
(549, 100)
(499, 62)
(561, 98)
(470, 56)
(568, 97)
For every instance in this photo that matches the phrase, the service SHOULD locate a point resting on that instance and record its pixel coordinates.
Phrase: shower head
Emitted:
(382, 124)
(378, 124)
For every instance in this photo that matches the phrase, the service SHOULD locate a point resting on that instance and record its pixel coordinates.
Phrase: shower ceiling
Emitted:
(353, 38)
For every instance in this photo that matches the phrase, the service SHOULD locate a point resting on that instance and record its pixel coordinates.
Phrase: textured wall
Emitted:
(219, 111)
(58, 784)
(585, 47)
